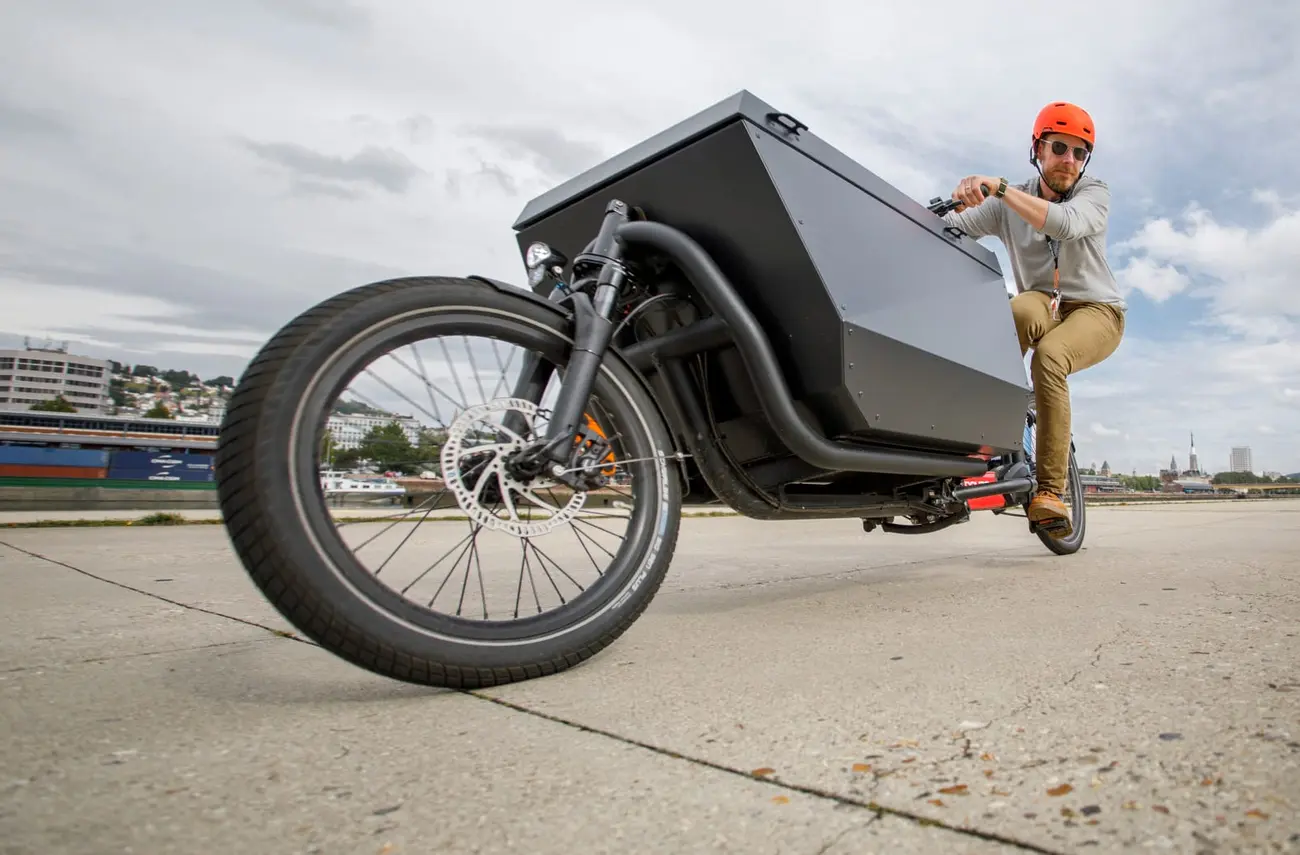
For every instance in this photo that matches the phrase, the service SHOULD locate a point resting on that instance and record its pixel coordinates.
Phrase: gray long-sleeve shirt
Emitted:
(1078, 224)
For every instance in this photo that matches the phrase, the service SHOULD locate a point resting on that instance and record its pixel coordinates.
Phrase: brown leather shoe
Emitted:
(1047, 510)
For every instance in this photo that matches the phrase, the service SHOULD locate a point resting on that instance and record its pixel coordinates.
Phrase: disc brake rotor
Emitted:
(488, 470)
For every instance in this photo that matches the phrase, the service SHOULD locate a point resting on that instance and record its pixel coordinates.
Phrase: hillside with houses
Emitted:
(145, 391)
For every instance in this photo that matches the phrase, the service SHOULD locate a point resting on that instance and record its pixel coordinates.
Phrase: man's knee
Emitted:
(1029, 306)
(1051, 360)
(1031, 312)
(1083, 340)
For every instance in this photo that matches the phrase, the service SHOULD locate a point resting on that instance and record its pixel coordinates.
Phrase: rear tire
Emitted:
(280, 528)
(1078, 515)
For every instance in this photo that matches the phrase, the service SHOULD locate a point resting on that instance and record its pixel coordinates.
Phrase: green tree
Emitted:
(58, 404)
(179, 379)
(388, 448)
(223, 380)
(346, 458)
(1139, 483)
(1235, 478)
(428, 449)
(117, 391)
(333, 457)
(159, 411)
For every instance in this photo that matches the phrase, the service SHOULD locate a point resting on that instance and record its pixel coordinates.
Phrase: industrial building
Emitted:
(37, 374)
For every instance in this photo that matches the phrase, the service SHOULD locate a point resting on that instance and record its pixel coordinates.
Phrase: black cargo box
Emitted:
(885, 325)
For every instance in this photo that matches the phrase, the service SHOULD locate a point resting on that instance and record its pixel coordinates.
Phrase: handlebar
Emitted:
(939, 206)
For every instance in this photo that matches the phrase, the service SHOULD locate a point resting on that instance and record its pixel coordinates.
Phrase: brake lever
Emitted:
(940, 206)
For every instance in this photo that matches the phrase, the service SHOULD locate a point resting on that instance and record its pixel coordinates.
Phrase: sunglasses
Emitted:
(1060, 148)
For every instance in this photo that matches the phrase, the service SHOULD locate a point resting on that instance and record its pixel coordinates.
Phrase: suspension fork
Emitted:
(593, 330)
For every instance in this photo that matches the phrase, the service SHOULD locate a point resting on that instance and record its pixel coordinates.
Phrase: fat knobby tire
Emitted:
(270, 537)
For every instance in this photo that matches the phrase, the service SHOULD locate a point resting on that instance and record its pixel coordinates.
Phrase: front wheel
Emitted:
(484, 545)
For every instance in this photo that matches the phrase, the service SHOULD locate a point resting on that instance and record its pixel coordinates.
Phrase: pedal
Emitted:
(1053, 528)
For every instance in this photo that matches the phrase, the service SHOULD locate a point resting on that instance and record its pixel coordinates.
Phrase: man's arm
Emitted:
(980, 221)
(1083, 215)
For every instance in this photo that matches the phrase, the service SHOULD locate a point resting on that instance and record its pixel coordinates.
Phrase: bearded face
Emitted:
(1061, 158)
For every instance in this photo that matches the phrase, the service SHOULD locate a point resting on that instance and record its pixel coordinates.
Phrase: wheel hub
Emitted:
(485, 464)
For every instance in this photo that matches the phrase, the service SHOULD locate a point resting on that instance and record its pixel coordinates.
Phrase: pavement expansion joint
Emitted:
(152, 595)
(878, 809)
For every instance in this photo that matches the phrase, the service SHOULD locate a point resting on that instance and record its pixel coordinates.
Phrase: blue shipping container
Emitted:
(159, 461)
(31, 455)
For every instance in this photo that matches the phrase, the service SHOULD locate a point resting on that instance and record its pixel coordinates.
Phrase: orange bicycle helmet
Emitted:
(1064, 118)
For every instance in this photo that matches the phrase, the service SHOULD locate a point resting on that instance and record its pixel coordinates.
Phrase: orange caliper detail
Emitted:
(592, 426)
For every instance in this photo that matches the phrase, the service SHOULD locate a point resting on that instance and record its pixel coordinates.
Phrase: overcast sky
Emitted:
(184, 176)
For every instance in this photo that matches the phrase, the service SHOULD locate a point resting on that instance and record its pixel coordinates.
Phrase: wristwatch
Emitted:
(1002, 188)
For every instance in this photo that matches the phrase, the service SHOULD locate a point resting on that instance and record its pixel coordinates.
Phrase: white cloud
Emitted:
(1228, 374)
(1247, 275)
(1157, 393)
(124, 327)
(1158, 282)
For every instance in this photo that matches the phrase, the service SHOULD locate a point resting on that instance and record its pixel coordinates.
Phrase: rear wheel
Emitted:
(1073, 496)
(1074, 501)
(480, 533)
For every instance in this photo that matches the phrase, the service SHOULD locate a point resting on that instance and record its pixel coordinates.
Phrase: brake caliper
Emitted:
(593, 450)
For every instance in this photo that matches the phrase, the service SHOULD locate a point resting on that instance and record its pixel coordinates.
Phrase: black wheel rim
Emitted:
(634, 443)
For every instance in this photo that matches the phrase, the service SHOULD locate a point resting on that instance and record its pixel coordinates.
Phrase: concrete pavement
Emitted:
(794, 688)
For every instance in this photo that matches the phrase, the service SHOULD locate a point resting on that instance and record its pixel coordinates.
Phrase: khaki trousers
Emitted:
(1086, 334)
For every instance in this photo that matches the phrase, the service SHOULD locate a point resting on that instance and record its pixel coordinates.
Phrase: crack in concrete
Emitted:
(963, 736)
(1250, 597)
(817, 792)
(834, 841)
(280, 632)
(1096, 654)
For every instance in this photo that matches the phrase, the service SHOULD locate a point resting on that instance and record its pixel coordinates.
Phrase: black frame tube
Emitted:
(679, 396)
(765, 372)
(689, 340)
(993, 488)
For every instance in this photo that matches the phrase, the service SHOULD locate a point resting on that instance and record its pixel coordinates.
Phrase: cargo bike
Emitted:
(732, 312)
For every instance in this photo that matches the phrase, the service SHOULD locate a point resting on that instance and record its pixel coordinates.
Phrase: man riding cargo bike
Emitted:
(731, 313)
(1069, 309)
